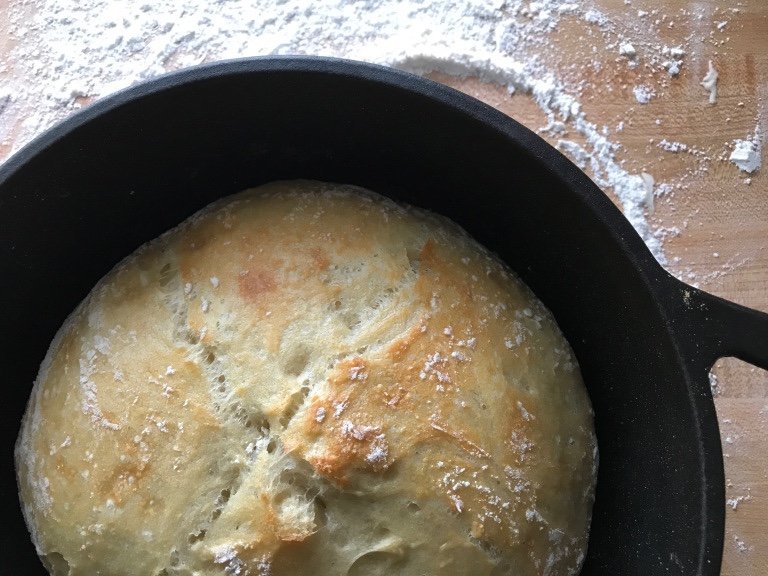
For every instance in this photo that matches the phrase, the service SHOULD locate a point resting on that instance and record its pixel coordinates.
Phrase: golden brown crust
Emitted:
(307, 379)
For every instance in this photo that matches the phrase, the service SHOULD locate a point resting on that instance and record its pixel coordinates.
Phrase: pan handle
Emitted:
(712, 328)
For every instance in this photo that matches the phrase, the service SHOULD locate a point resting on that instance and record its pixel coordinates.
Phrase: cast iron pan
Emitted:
(92, 189)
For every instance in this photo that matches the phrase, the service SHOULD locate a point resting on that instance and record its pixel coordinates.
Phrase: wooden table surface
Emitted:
(722, 245)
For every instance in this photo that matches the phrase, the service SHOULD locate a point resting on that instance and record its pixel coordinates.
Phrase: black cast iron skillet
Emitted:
(92, 189)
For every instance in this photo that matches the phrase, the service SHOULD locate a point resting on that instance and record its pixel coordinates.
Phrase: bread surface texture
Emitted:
(309, 379)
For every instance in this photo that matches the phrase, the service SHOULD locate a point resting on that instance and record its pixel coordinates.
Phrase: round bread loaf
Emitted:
(309, 379)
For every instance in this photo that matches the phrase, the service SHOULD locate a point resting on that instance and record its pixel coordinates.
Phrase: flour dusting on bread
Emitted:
(308, 378)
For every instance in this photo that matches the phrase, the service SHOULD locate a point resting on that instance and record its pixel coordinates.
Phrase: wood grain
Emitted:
(722, 244)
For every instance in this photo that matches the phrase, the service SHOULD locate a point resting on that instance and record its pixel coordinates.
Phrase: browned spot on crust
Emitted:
(402, 345)
(353, 445)
(318, 412)
(349, 371)
(330, 466)
(252, 284)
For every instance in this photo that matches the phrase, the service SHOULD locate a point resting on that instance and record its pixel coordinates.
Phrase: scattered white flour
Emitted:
(734, 502)
(233, 565)
(709, 82)
(69, 52)
(595, 17)
(676, 52)
(675, 59)
(741, 546)
(672, 66)
(665, 144)
(747, 153)
(643, 94)
(714, 385)
(626, 49)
